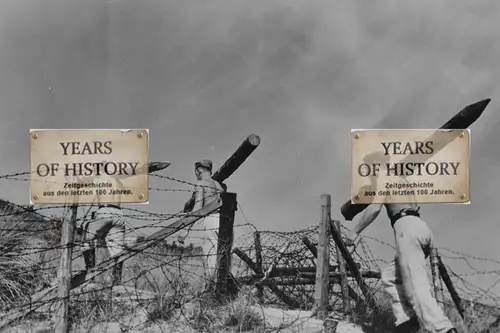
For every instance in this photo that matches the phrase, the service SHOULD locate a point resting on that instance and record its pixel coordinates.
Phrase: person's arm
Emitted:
(189, 205)
(369, 215)
(188, 208)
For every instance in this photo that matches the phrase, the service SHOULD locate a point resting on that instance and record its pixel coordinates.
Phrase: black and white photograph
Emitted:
(227, 166)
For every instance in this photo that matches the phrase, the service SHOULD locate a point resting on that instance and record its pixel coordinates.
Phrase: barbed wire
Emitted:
(168, 279)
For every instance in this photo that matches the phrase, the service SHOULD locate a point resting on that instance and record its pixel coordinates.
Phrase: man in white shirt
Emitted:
(205, 230)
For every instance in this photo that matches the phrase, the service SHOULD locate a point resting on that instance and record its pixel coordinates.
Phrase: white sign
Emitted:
(89, 166)
(417, 166)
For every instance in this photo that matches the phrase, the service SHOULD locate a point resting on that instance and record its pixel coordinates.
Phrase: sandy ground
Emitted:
(299, 321)
(276, 320)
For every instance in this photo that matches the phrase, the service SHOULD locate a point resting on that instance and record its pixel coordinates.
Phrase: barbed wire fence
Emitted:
(164, 282)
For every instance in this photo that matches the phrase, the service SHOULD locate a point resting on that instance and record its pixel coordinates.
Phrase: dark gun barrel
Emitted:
(150, 167)
(461, 120)
(157, 166)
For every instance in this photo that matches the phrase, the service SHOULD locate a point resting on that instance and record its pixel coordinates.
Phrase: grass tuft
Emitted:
(27, 251)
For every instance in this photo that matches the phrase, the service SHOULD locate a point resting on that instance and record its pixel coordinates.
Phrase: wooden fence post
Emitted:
(258, 260)
(323, 261)
(225, 242)
(343, 271)
(68, 228)
(436, 280)
(352, 293)
(449, 285)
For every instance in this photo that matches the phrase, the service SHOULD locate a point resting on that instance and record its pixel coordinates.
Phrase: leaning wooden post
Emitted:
(323, 261)
(369, 298)
(258, 260)
(436, 280)
(225, 242)
(449, 284)
(342, 270)
(236, 160)
(68, 229)
(281, 295)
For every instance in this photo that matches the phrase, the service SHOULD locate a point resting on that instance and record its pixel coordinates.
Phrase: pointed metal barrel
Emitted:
(461, 120)
(157, 166)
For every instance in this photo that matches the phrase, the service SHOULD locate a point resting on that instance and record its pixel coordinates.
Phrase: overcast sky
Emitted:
(203, 75)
